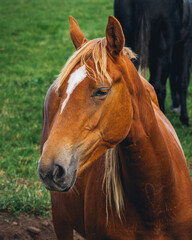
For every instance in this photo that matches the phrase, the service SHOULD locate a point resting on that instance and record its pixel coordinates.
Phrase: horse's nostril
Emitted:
(58, 173)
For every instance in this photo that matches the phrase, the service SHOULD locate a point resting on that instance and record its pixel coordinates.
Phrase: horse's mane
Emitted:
(112, 181)
(97, 50)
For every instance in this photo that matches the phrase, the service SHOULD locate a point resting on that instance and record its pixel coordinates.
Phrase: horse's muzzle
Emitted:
(57, 178)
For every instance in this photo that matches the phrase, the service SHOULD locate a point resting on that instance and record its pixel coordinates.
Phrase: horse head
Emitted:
(95, 110)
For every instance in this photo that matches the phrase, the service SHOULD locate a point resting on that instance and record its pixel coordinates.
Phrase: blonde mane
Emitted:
(97, 50)
(112, 182)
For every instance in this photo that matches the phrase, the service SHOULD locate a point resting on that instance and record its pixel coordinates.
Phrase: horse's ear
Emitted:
(114, 35)
(77, 36)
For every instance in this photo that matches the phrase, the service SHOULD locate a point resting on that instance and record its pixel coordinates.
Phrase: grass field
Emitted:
(34, 45)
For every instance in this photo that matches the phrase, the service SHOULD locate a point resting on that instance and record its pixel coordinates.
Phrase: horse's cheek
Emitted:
(120, 122)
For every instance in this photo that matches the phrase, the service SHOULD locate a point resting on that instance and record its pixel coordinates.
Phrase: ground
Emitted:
(27, 228)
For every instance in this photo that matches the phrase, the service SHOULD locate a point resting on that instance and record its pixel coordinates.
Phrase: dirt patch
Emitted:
(27, 228)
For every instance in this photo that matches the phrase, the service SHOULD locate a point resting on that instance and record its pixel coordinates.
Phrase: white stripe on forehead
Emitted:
(76, 77)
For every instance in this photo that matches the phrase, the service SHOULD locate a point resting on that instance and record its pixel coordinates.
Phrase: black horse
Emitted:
(160, 32)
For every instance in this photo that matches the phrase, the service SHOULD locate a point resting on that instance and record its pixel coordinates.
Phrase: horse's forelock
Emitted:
(96, 50)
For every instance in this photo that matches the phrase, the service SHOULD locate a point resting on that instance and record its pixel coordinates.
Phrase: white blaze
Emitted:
(76, 77)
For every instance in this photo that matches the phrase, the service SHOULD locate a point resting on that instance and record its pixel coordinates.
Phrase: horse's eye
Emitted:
(101, 92)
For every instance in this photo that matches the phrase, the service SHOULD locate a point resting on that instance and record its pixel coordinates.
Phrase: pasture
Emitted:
(34, 45)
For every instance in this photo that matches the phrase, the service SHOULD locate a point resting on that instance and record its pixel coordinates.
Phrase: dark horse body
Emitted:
(160, 32)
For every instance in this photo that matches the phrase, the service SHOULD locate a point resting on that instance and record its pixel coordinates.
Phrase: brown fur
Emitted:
(151, 177)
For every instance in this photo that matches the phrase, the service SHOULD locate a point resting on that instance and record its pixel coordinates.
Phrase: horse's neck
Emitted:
(147, 171)
(145, 156)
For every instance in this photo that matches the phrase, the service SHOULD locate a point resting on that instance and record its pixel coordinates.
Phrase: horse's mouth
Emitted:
(64, 186)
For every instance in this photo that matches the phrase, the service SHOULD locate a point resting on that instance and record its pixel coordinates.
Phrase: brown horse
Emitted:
(105, 138)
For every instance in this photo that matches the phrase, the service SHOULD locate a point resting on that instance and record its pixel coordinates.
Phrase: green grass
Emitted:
(34, 45)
